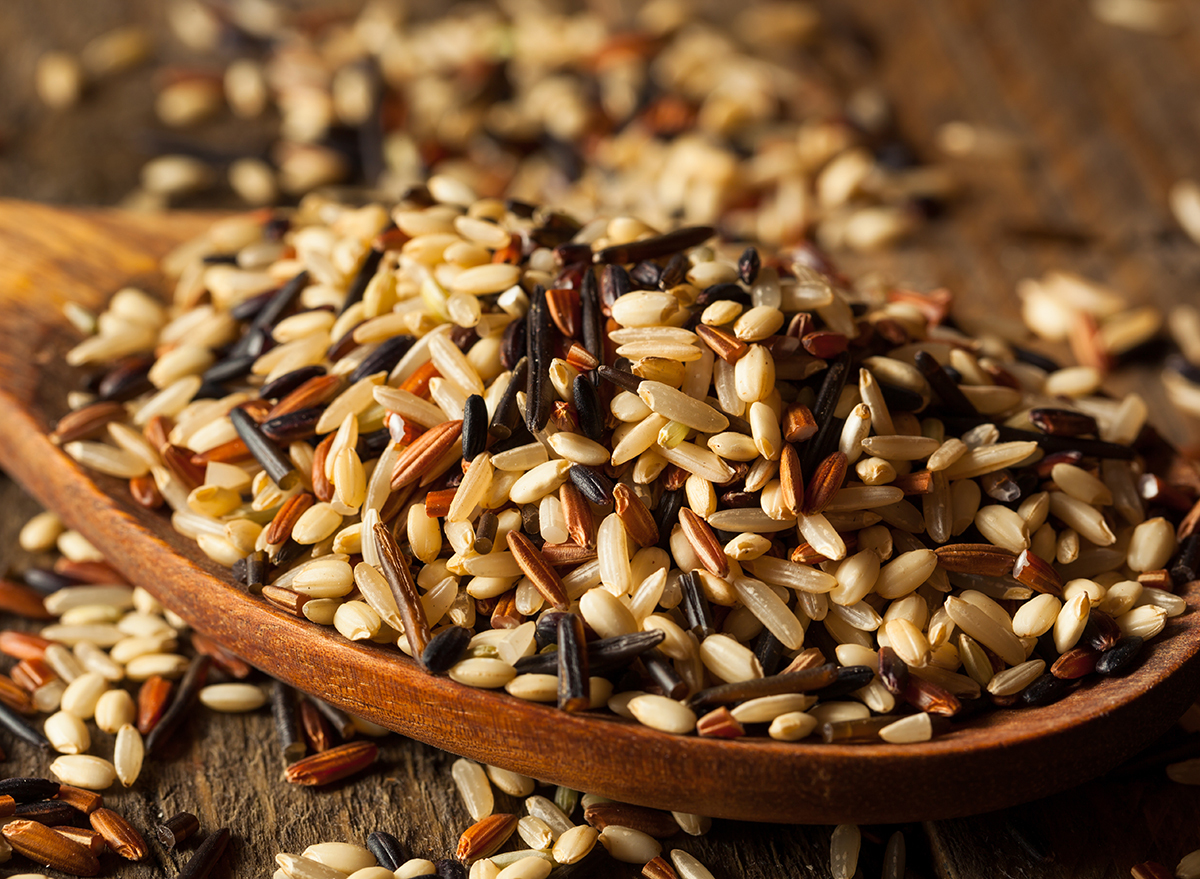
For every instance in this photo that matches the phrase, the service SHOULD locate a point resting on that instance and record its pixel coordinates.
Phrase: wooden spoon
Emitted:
(50, 256)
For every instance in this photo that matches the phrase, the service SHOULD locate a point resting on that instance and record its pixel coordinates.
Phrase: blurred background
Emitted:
(981, 147)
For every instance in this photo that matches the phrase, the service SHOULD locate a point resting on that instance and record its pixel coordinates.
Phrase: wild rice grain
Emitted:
(85, 771)
(67, 733)
(575, 844)
(628, 845)
(843, 851)
(233, 698)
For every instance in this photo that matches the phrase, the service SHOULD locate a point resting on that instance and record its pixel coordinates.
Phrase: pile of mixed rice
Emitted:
(540, 455)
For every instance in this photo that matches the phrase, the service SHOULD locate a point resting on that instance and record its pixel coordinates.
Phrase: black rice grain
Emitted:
(384, 358)
(387, 849)
(591, 318)
(365, 273)
(592, 484)
(573, 688)
(28, 790)
(662, 672)
(626, 381)
(508, 415)
(1121, 658)
(268, 455)
(849, 679)
(588, 409)
(539, 392)
(946, 389)
(289, 381)
(283, 712)
(207, 855)
(13, 722)
(445, 648)
(176, 829)
(1045, 689)
(695, 606)
(475, 427)
(181, 706)
(655, 247)
(805, 681)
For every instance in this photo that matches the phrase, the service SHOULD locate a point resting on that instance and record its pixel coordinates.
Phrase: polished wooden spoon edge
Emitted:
(1003, 759)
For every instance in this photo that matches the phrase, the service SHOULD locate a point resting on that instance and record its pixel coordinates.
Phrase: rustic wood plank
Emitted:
(1108, 123)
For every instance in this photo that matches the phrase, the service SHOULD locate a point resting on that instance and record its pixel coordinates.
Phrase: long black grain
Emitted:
(45, 580)
(588, 408)
(667, 513)
(792, 682)
(28, 790)
(658, 246)
(181, 706)
(268, 455)
(228, 369)
(942, 385)
(662, 672)
(337, 718)
(126, 380)
(768, 650)
(269, 315)
(572, 665)
(48, 812)
(1119, 659)
(539, 392)
(812, 450)
(695, 606)
(292, 426)
(384, 358)
(849, 678)
(507, 415)
(289, 381)
(626, 381)
(207, 855)
(13, 722)
(475, 427)
(365, 273)
(591, 318)
(283, 712)
(957, 425)
(513, 343)
(603, 655)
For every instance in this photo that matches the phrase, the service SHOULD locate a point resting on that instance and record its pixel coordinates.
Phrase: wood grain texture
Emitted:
(1003, 759)
(1107, 123)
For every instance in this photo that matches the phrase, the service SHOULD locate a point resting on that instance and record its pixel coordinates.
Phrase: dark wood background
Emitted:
(1108, 120)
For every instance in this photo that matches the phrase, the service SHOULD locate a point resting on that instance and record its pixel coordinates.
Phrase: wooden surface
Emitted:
(1109, 119)
(1003, 759)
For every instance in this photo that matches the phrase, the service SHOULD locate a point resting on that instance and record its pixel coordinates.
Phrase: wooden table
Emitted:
(1108, 119)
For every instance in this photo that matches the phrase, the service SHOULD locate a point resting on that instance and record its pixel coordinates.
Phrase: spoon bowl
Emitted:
(50, 256)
